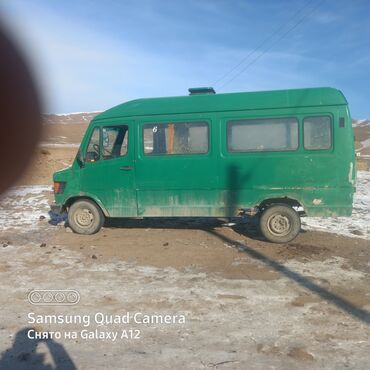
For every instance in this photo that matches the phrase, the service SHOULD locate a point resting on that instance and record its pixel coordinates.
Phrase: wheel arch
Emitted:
(286, 201)
(73, 199)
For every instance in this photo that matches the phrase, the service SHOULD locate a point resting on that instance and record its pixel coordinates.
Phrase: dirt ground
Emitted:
(246, 303)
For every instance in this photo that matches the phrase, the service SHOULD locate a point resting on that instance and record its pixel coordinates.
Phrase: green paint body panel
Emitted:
(219, 183)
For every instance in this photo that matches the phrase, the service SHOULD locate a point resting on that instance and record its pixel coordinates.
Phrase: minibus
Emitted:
(275, 155)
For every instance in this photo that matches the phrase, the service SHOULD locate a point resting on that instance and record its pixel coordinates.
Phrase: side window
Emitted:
(317, 132)
(259, 135)
(176, 138)
(93, 149)
(115, 141)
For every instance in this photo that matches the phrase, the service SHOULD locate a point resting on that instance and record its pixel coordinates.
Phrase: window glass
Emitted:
(176, 138)
(317, 132)
(273, 134)
(93, 149)
(115, 141)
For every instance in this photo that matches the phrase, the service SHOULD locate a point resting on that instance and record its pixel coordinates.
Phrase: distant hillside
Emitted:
(360, 122)
(69, 118)
(361, 128)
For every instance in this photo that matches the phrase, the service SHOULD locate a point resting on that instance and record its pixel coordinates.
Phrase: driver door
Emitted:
(108, 174)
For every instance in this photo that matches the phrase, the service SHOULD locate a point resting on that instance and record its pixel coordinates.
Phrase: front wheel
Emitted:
(280, 224)
(85, 217)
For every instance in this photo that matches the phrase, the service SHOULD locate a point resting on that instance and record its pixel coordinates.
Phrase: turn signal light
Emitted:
(59, 187)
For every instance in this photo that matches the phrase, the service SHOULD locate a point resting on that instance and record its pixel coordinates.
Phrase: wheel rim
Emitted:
(83, 217)
(279, 225)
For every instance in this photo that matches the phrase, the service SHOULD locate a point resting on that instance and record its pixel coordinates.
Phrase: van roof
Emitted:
(200, 103)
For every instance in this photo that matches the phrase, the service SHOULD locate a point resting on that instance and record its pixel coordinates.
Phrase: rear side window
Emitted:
(317, 132)
(176, 138)
(115, 141)
(260, 135)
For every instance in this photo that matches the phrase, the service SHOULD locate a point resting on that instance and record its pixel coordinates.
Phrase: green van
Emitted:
(275, 154)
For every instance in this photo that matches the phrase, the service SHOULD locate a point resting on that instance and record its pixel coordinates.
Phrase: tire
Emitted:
(280, 224)
(85, 217)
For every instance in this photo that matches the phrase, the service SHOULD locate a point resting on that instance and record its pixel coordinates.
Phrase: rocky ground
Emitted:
(242, 302)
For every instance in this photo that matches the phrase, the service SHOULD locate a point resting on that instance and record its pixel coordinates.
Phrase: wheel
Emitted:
(280, 223)
(85, 217)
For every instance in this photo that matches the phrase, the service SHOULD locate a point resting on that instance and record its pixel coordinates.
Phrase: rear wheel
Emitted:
(280, 223)
(85, 217)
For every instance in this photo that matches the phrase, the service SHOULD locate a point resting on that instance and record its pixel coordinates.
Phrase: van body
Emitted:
(216, 155)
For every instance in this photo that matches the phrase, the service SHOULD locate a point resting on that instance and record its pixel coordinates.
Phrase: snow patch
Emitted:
(22, 206)
(59, 145)
(365, 143)
(72, 113)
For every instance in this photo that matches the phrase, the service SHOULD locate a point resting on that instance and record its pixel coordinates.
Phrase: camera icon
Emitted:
(53, 297)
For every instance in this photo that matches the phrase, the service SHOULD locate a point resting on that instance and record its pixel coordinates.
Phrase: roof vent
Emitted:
(201, 90)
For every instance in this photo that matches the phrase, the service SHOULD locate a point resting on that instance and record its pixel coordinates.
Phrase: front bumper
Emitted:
(57, 208)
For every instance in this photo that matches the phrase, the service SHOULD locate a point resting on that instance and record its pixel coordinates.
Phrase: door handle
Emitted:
(126, 168)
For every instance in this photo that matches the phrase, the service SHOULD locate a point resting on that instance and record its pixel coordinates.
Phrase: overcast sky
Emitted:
(90, 55)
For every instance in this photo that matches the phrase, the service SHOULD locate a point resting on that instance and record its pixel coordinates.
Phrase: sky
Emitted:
(89, 55)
